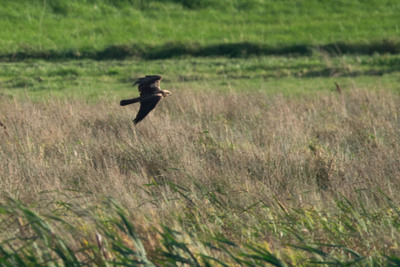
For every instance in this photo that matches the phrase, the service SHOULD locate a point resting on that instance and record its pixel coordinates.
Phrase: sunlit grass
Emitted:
(207, 178)
(76, 27)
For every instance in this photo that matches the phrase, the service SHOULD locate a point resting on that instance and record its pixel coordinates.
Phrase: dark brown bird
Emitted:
(150, 95)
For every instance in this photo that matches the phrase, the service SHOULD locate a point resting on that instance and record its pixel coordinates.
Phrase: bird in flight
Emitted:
(150, 95)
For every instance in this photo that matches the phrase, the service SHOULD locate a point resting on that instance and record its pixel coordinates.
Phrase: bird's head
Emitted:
(166, 93)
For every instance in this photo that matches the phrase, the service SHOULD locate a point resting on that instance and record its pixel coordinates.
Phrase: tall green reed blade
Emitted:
(10, 259)
(263, 256)
(176, 252)
(139, 253)
(52, 241)
(393, 261)
(323, 257)
(390, 202)
(38, 243)
(223, 242)
(207, 263)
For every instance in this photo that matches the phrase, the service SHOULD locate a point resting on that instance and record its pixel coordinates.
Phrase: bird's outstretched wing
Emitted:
(149, 84)
(147, 105)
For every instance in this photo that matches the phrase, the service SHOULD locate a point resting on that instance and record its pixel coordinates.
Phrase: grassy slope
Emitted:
(94, 25)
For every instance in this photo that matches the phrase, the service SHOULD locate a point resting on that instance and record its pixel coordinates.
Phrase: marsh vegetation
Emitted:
(255, 159)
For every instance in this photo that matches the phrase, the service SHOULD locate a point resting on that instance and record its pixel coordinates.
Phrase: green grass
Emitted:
(290, 76)
(255, 159)
(48, 238)
(86, 28)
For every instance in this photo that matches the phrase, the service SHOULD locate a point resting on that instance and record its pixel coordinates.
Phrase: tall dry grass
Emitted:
(243, 144)
(202, 161)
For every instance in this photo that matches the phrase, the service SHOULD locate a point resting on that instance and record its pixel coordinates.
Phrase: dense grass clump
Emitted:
(208, 178)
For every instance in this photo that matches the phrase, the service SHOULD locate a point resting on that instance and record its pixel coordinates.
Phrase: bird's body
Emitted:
(150, 95)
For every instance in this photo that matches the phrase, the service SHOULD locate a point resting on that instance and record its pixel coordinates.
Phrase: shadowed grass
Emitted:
(232, 50)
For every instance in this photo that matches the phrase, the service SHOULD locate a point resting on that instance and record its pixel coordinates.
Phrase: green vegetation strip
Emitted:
(289, 76)
(171, 50)
(101, 29)
(112, 236)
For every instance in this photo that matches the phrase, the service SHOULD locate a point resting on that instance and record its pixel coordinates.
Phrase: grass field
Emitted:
(241, 177)
(256, 159)
(157, 29)
(289, 76)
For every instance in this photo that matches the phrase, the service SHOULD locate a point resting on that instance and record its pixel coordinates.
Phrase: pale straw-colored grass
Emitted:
(241, 142)
(210, 163)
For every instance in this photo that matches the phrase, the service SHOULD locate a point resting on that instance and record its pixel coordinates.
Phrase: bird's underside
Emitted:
(150, 95)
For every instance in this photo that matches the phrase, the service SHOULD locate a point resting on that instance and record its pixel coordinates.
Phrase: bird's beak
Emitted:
(165, 93)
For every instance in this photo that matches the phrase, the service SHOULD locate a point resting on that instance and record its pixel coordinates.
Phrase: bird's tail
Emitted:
(129, 101)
